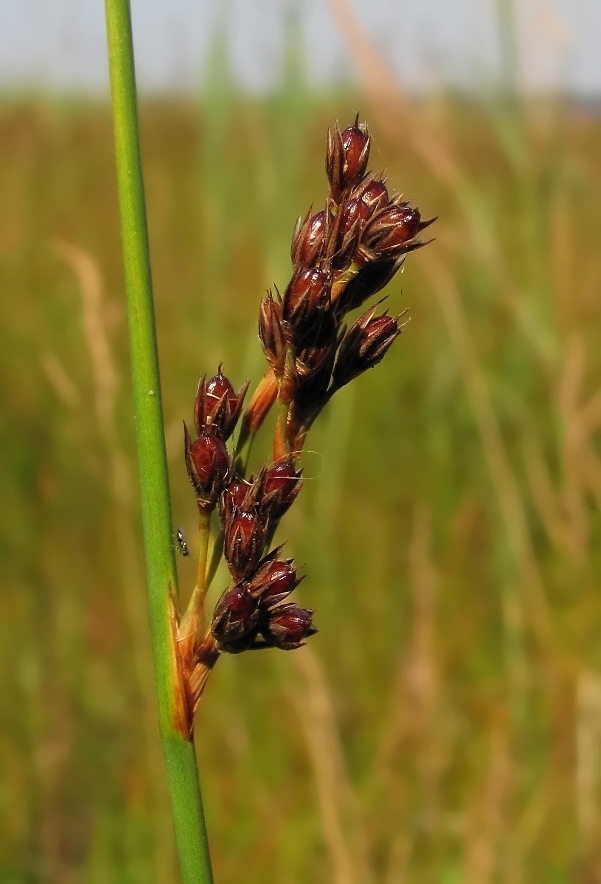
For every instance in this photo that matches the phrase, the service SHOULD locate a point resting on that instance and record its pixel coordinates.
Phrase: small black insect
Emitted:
(181, 542)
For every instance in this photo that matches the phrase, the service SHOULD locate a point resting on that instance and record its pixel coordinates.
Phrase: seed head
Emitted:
(307, 239)
(207, 463)
(218, 405)
(372, 191)
(347, 154)
(244, 542)
(346, 231)
(273, 581)
(235, 619)
(364, 345)
(288, 626)
(237, 495)
(271, 331)
(280, 484)
(306, 300)
(390, 231)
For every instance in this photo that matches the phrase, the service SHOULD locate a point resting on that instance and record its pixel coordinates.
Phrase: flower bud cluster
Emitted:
(252, 614)
(216, 411)
(341, 255)
(247, 510)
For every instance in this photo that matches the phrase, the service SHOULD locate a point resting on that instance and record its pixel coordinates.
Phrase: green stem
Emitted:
(192, 621)
(178, 749)
(215, 556)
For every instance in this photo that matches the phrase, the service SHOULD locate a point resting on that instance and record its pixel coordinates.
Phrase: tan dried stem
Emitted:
(339, 805)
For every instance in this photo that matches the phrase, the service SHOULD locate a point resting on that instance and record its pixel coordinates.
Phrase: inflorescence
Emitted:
(341, 256)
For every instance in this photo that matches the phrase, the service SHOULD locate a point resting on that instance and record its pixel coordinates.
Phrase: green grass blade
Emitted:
(178, 750)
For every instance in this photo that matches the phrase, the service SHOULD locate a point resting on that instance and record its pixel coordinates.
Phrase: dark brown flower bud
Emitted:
(273, 581)
(244, 542)
(390, 231)
(347, 154)
(238, 495)
(207, 463)
(373, 193)
(288, 627)
(353, 211)
(218, 405)
(271, 331)
(280, 484)
(306, 300)
(346, 230)
(307, 239)
(235, 619)
(364, 345)
(370, 279)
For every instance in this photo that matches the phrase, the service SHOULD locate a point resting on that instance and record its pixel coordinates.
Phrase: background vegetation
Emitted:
(445, 724)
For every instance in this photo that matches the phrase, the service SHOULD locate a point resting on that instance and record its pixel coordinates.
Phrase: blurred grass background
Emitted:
(445, 724)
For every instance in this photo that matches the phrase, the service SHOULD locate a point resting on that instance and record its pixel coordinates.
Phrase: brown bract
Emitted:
(271, 332)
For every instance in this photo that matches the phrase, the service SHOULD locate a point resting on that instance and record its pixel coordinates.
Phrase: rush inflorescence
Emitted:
(341, 256)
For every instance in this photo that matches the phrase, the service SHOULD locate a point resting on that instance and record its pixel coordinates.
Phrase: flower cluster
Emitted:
(249, 614)
(341, 256)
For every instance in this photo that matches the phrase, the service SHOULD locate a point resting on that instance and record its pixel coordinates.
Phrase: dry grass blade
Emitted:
(59, 379)
(338, 803)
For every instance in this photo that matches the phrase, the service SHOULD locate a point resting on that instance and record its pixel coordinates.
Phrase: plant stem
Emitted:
(192, 621)
(174, 719)
(215, 556)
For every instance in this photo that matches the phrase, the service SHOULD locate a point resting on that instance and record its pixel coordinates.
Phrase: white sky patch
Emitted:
(59, 45)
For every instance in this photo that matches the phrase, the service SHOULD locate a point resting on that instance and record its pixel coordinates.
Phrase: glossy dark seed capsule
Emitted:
(307, 240)
(390, 230)
(306, 300)
(207, 463)
(346, 231)
(288, 627)
(374, 195)
(364, 345)
(245, 537)
(280, 484)
(235, 616)
(347, 154)
(273, 581)
(218, 405)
